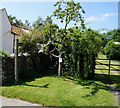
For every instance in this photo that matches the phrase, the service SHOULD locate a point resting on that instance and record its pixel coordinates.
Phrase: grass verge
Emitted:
(60, 91)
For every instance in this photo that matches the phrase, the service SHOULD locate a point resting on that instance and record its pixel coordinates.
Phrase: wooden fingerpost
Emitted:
(16, 61)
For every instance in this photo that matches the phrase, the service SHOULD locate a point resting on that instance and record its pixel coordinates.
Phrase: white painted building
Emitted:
(6, 38)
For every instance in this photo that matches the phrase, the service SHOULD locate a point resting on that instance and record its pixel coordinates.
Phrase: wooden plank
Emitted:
(102, 64)
(114, 65)
(107, 64)
(101, 59)
(107, 69)
(100, 69)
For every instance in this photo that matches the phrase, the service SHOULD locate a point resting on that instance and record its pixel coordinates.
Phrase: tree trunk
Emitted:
(81, 66)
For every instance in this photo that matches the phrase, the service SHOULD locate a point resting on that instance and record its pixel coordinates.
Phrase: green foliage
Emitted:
(68, 11)
(49, 30)
(14, 21)
(4, 53)
(112, 50)
(27, 24)
(80, 48)
(29, 41)
(114, 35)
(38, 24)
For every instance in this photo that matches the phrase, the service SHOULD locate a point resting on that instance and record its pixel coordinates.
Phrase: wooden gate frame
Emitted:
(109, 65)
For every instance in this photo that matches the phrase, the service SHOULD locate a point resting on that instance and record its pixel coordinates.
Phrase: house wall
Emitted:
(7, 37)
(0, 29)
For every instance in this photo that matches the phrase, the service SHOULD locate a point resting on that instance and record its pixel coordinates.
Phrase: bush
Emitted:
(80, 49)
(4, 53)
(112, 51)
(30, 40)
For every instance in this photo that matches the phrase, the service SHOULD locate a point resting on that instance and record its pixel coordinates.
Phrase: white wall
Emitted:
(0, 29)
(7, 37)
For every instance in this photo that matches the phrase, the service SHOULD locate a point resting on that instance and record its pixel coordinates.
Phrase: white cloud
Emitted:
(109, 14)
(100, 18)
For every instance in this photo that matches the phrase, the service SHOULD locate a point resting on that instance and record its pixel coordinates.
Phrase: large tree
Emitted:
(80, 47)
(69, 11)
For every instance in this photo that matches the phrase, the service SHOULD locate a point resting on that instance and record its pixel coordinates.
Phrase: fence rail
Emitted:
(108, 64)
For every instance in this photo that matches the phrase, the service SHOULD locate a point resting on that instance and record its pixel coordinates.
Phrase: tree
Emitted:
(49, 30)
(80, 47)
(113, 35)
(38, 24)
(69, 11)
(112, 50)
(48, 20)
(14, 21)
(27, 24)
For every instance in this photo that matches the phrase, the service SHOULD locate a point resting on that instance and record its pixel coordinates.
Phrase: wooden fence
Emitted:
(109, 65)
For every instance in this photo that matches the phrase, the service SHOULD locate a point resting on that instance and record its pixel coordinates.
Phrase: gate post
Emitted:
(109, 69)
(16, 61)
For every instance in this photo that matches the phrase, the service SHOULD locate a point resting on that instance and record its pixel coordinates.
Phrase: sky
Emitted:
(98, 15)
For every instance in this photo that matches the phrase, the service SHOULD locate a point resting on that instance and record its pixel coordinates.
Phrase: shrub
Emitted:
(29, 41)
(112, 50)
(4, 53)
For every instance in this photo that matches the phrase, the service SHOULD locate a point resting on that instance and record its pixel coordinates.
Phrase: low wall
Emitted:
(35, 65)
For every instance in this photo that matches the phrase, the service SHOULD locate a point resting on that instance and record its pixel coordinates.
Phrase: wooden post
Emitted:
(59, 67)
(16, 61)
(109, 70)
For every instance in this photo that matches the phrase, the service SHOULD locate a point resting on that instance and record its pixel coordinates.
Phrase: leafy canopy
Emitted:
(68, 11)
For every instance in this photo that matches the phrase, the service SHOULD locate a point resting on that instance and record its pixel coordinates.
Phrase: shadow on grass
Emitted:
(94, 85)
(45, 86)
(12, 83)
(23, 82)
(113, 79)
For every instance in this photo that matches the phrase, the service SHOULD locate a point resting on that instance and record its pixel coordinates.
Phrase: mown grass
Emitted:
(60, 91)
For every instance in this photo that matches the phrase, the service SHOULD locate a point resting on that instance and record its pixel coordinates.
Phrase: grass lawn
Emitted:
(60, 91)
